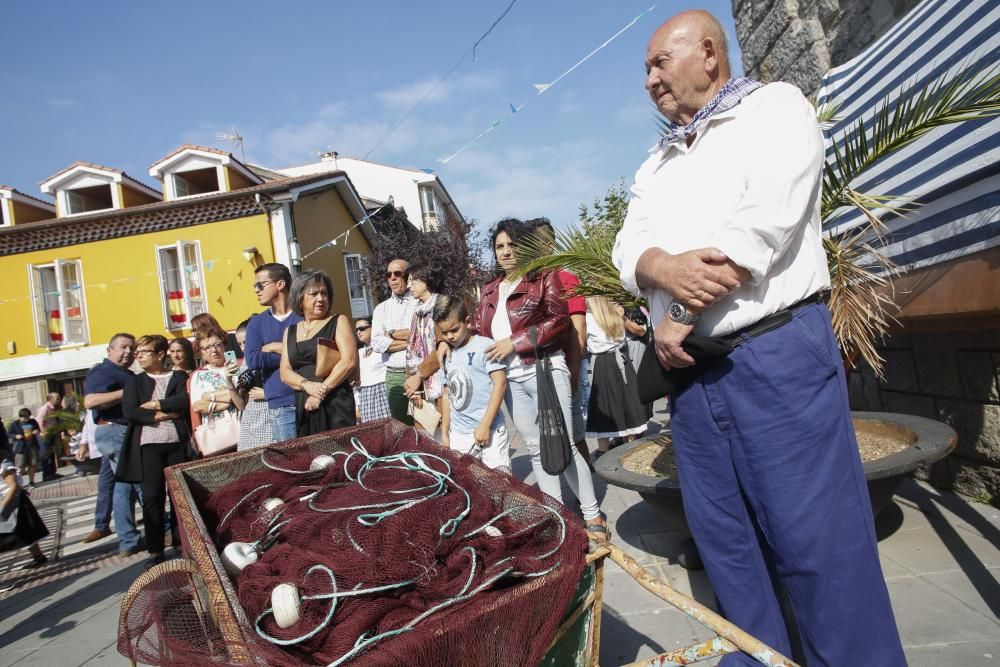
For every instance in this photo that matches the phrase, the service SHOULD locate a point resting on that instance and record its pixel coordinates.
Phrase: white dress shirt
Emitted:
(396, 312)
(371, 365)
(749, 185)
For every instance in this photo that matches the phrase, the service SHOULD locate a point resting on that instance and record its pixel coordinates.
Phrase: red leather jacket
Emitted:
(535, 302)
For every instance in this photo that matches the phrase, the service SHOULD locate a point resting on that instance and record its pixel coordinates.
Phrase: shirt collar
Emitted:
(402, 298)
(728, 97)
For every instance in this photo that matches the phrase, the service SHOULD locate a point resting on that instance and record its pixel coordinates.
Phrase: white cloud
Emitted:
(61, 102)
(406, 96)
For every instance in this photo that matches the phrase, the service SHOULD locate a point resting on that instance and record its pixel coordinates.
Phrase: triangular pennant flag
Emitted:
(230, 288)
(102, 286)
(220, 302)
(209, 263)
(513, 109)
(541, 87)
(239, 274)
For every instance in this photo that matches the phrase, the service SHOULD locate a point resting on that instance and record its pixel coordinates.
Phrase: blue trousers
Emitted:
(109, 439)
(47, 454)
(775, 496)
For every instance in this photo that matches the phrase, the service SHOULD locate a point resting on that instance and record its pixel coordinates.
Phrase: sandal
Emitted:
(598, 528)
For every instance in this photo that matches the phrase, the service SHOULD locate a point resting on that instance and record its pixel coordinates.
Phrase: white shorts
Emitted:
(495, 456)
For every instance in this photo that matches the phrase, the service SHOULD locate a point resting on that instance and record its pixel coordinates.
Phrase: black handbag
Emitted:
(553, 438)
(655, 381)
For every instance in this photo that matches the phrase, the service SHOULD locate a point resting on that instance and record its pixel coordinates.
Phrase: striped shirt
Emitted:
(396, 312)
(160, 431)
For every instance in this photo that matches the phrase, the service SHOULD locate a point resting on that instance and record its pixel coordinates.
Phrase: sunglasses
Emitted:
(361, 328)
(262, 284)
(396, 274)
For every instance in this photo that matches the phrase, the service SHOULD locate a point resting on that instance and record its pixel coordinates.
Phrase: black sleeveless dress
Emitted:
(337, 409)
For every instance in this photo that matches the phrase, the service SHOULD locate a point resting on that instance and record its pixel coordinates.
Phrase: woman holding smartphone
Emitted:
(212, 391)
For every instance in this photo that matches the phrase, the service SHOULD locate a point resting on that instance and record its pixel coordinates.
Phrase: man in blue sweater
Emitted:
(264, 342)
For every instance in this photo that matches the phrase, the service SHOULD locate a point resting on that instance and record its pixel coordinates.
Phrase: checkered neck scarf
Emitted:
(727, 97)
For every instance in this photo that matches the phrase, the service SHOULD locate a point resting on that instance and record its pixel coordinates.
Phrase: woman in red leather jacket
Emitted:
(507, 308)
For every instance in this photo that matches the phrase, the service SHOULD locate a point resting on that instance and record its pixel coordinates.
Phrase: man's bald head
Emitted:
(686, 64)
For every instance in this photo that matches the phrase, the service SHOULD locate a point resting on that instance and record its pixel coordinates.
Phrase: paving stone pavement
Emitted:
(940, 555)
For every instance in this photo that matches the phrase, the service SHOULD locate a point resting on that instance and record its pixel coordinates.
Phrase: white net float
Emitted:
(237, 555)
(272, 504)
(285, 605)
(321, 462)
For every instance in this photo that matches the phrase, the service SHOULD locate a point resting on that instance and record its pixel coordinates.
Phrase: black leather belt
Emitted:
(773, 321)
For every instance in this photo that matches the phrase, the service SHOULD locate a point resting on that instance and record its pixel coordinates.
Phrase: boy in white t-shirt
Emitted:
(471, 422)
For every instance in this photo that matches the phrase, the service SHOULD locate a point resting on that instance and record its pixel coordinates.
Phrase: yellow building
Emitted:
(112, 255)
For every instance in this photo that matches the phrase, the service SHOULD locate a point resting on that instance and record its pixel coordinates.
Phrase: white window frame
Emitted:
(365, 309)
(40, 309)
(192, 305)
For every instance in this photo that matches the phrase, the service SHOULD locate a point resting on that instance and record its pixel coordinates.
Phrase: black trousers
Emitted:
(156, 458)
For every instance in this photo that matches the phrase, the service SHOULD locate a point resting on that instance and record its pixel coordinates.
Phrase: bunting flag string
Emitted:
(542, 88)
(430, 92)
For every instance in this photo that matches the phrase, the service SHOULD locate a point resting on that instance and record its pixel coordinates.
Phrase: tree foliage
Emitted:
(455, 250)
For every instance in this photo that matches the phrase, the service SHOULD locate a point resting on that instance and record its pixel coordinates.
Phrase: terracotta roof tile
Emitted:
(158, 216)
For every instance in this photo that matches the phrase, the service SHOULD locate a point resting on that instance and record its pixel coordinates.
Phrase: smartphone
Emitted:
(230, 356)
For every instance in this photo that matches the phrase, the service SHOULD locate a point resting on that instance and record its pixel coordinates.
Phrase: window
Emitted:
(196, 182)
(84, 200)
(60, 313)
(356, 288)
(182, 284)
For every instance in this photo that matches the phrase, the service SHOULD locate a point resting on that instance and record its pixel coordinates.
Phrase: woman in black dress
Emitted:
(321, 403)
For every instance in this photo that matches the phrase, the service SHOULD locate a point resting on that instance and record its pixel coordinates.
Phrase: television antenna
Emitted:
(236, 139)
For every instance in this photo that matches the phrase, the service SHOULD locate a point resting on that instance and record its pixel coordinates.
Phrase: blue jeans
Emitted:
(522, 404)
(283, 423)
(47, 454)
(105, 491)
(109, 439)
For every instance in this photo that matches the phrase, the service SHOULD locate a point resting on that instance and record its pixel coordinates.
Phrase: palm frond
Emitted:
(827, 115)
(970, 95)
(586, 255)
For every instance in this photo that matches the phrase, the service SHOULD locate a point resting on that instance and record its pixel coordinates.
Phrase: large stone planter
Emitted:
(927, 441)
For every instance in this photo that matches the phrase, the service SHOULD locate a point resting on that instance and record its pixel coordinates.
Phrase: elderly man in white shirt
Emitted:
(723, 238)
(391, 322)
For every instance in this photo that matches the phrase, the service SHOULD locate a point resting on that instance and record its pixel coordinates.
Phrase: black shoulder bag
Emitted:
(553, 439)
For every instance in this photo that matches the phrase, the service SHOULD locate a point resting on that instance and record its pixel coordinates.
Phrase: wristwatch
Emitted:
(678, 313)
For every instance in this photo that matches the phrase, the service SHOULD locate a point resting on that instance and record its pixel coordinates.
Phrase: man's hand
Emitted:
(312, 404)
(412, 385)
(82, 452)
(667, 337)
(277, 347)
(256, 394)
(316, 390)
(696, 278)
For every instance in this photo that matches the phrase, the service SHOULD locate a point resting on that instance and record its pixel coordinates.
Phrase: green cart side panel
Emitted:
(574, 646)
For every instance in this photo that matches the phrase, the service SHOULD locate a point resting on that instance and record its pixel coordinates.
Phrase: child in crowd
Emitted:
(20, 525)
(24, 434)
(471, 422)
(614, 410)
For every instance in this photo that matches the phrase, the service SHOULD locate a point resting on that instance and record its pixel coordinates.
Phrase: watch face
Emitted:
(677, 312)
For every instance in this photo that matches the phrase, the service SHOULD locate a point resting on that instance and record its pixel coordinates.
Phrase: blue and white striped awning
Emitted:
(954, 171)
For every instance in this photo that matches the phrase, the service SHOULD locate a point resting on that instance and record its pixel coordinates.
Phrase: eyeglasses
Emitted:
(396, 274)
(213, 346)
(262, 284)
(144, 353)
(362, 328)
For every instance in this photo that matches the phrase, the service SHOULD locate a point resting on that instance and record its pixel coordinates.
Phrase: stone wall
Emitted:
(952, 376)
(20, 394)
(799, 40)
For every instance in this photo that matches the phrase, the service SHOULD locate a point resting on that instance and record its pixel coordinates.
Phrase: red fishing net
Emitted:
(401, 551)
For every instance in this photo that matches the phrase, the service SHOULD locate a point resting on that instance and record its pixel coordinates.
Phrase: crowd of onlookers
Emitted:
(462, 368)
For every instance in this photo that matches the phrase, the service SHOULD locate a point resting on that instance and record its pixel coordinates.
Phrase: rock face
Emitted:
(799, 40)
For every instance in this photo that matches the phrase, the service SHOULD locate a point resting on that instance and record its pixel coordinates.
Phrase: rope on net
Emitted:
(420, 463)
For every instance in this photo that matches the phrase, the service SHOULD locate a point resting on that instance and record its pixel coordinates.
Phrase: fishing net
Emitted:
(402, 552)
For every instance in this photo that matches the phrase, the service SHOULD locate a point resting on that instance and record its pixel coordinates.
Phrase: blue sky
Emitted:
(122, 84)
